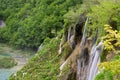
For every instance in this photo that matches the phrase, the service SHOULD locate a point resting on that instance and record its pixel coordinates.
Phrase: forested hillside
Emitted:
(29, 22)
(80, 39)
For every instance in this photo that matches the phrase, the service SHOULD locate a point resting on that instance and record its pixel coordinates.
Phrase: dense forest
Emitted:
(63, 32)
(29, 22)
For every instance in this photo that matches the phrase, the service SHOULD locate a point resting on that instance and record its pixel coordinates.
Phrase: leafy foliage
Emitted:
(112, 40)
(112, 46)
(103, 12)
(99, 12)
(29, 22)
(43, 66)
(104, 75)
(113, 68)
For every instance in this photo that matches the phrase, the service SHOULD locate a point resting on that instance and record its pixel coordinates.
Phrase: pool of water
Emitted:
(5, 73)
(20, 58)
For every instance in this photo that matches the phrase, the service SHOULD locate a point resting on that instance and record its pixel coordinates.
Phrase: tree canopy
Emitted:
(29, 22)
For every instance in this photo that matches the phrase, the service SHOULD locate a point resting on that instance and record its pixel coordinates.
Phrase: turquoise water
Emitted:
(21, 61)
(5, 73)
(20, 57)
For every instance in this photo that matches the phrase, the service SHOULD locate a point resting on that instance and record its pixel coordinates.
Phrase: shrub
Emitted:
(7, 62)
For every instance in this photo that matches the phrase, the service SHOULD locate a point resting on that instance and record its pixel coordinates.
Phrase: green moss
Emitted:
(109, 70)
(66, 51)
(64, 72)
(7, 62)
(104, 75)
(116, 57)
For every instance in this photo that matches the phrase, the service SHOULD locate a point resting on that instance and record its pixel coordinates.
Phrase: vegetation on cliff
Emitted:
(29, 22)
(109, 70)
(59, 24)
(43, 66)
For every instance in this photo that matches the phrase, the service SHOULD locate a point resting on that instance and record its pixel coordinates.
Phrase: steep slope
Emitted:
(29, 22)
(43, 66)
(57, 60)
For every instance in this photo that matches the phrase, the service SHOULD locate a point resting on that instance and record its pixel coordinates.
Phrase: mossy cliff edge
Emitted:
(56, 60)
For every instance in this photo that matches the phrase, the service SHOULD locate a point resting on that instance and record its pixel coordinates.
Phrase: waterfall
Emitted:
(81, 66)
(94, 61)
(60, 48)
(2, 23)
(87, 61)
(68, 38)
(40, 47)
(85, 56)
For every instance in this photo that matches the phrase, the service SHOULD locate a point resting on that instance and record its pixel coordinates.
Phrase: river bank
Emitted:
(21, 57)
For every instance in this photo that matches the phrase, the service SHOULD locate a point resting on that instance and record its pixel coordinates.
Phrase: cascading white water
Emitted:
(81, 67)
(68, 38)
(94, 61)
(86, 55)
(88, 71)
(60, 48)
(40, 47)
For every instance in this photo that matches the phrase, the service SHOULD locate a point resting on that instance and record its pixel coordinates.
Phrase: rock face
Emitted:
(74, 37)
(77, 65)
